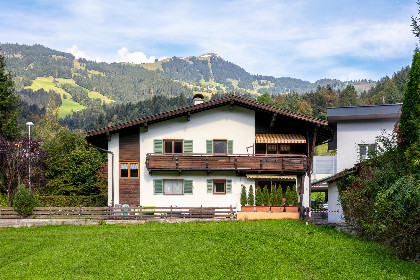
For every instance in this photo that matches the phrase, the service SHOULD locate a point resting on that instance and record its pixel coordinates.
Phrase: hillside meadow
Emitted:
(280, 249)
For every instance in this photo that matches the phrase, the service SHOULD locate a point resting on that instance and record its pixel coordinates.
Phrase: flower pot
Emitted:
(262, 208)
(277, 208)
(292, 208)
(247, 208)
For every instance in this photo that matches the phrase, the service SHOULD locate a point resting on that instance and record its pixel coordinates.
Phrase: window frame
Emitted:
(173, 146)
(129, 169)
(368, 148)
(220, 140)
(219, 181)
(163, 186)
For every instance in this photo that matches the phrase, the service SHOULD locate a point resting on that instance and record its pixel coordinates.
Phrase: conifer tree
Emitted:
(9, 104)
(251, 199)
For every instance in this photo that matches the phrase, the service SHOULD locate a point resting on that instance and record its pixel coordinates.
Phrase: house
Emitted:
(201, 155)
(355, 131)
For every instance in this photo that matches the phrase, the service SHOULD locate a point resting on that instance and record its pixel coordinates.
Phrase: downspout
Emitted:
(112, 171)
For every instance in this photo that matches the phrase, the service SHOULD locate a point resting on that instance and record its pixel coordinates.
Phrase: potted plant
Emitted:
(245, 201)
(263, 200)
(291, 199)
(274, 201)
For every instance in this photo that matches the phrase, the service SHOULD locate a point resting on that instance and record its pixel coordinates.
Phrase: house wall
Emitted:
(113, 146)
(349, 135)
(352, 133)
(237, 124)
(334, 205)
(129, 188)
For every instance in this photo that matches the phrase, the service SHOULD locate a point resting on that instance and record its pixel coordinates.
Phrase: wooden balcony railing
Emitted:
(230, 162)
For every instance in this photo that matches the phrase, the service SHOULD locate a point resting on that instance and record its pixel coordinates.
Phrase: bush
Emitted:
(274, 198)
(243, 196)
(73, 201)
(3, 200)
(266, 197)
(24, 201)
(259, 197)
(251, 200)
(291, 196)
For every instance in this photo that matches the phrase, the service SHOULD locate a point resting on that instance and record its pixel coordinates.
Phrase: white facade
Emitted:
(237, 124)
(352, 133)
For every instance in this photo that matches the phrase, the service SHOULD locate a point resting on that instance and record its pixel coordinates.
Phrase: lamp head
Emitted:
(30, 124)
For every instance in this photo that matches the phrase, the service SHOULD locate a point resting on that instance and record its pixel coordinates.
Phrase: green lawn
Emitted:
(216, 250)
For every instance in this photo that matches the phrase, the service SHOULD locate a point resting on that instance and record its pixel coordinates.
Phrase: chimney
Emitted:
(198, 98)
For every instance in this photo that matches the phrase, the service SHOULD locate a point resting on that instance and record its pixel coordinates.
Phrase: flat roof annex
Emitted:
(385, 111)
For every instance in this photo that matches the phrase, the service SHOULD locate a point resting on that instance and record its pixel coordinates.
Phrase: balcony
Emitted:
(231, 162)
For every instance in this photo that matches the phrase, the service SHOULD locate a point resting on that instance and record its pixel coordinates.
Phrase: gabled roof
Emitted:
(229, 100)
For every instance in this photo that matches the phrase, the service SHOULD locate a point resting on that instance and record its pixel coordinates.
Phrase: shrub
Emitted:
(294, 196)
(3, 200)
(266, 197)
(259, 197)
(24, 201)
(251, 200)
(243, 196)
(274, 198)
(73, 201)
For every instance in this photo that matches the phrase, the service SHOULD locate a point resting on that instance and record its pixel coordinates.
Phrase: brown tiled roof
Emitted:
(232, 99)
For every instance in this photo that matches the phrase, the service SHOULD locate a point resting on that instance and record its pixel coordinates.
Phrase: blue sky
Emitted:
(302, 39)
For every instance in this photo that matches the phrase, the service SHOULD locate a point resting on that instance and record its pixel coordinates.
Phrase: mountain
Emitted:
(46, 78)
(212, 69)
(80, 82)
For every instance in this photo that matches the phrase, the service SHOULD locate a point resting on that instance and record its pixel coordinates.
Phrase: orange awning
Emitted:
(280, 138)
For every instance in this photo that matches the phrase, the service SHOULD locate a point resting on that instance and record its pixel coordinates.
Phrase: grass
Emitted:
(47, 84)
(67, 106)
(217, 250)
(322, 150)
(97, 95)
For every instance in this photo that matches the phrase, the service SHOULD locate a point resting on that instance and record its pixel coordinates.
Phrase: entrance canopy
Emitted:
(280, 138)
(268, 176)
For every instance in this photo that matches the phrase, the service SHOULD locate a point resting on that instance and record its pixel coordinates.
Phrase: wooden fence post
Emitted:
(201, 211)
(171, 212)
(49, 210)
(80, 210)
(0, 211)
(231, 212)
(141, 212)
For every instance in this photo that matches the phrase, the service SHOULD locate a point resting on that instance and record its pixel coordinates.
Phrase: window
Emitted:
(271, 148)
(129, 169)
(284, 148)
(173, 146)
(173, 187)
(219, 186)
(219, 146)
(366, 150)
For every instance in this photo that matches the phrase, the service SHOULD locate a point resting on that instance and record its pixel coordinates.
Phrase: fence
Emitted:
(115, 213)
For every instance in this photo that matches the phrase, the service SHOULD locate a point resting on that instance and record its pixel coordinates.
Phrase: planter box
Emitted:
(292, 208)
(262, 208)
(247, 208)
(277, 208)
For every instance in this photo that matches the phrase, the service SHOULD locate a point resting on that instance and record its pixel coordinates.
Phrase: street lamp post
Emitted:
(29, 124)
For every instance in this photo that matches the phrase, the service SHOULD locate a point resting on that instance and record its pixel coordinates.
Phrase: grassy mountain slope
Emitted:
(79, 82)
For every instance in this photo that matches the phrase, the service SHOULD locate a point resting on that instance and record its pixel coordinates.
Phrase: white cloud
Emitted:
(133, 57)
(74, 50)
